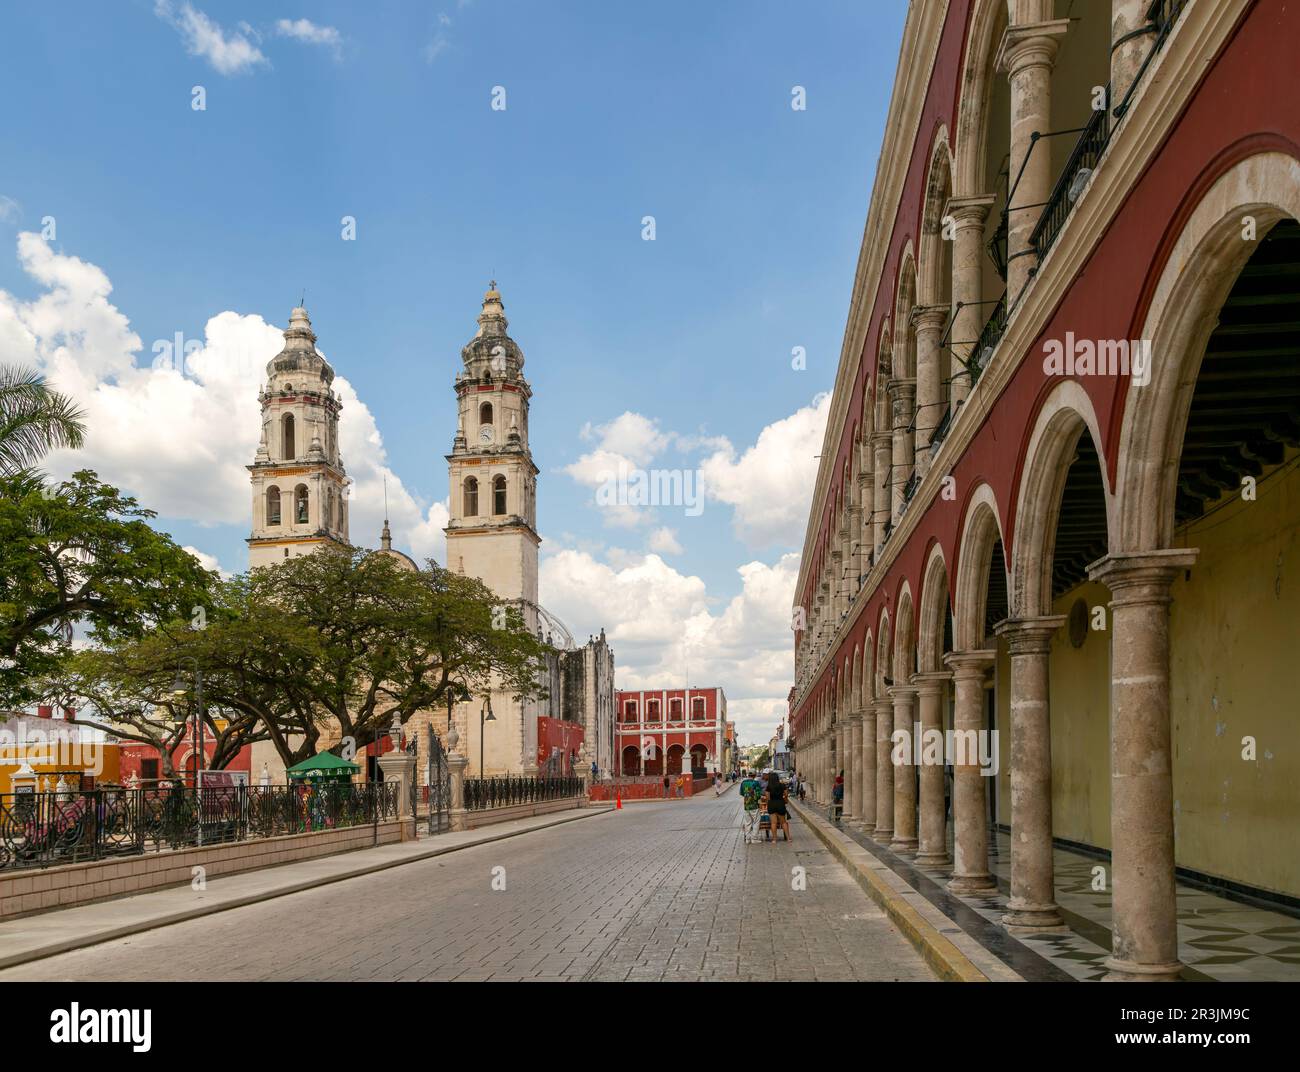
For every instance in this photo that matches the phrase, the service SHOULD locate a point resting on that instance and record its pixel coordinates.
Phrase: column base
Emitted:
(1129, 971)
(884, 836)
(1033, 918)
(903, 846)
(933, 859)
(972, 883)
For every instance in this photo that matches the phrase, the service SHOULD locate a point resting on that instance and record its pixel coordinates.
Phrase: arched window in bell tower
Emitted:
(286, 437)
(485, 413)
(498, 495)
(471, 496)
(272, 505)
(300, 505)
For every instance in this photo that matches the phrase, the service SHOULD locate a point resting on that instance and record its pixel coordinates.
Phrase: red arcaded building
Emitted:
(1059, 489)
(658, 726)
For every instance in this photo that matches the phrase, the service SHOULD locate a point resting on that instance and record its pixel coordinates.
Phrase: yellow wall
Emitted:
(1235, 671)
(1080, 715)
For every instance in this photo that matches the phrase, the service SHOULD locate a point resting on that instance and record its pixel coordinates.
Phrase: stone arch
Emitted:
(1199, 272)
(935, 608)
(884, 373)
(981, 529)
(978, 72)
(934, 262)
(868, 670)
(904, 366)
(1066, 413)
(882, 657)
(904, 661)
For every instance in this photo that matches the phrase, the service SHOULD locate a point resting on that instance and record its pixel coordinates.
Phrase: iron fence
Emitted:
(505, 790)
(992, 331)
(1069, 186)
(46, 829)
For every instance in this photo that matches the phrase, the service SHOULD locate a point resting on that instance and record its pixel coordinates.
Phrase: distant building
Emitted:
(670, 730)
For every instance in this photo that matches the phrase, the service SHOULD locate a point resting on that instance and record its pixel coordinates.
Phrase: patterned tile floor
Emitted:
(1218, 939)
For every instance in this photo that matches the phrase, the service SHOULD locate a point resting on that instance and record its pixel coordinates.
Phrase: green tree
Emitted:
(336, 642)
(81, 554)
(34, 419)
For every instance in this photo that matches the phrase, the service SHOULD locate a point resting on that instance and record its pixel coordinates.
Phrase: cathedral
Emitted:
(300, 504)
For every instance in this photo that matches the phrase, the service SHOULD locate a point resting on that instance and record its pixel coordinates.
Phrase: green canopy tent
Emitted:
(325, 767)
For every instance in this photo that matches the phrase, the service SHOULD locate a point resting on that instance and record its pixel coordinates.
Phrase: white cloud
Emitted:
(177, 433)
(771, 484)
(665, 634)
(664, 541)
(206, 560)
(309, 33)
(228, 53)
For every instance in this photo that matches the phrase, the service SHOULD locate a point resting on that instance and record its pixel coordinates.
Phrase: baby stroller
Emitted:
(765, 820)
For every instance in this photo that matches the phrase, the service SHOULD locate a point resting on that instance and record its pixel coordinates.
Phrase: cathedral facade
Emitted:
(299, 505)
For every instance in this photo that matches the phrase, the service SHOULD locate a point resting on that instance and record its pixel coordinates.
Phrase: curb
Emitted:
(944, 958)
(112, 932)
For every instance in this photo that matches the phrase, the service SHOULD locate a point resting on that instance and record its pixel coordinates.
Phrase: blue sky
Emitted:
(382, 112)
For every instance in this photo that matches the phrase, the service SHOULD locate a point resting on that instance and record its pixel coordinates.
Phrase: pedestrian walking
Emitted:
(667, 791)
(751, 792)
(776, 805)
(681, 786)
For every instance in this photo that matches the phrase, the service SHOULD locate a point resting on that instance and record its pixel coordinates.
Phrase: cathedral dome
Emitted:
(492, 353)
(402, 561)
(299, 354)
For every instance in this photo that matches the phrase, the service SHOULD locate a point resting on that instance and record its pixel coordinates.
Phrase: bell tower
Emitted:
(299, 485)
(492, 529)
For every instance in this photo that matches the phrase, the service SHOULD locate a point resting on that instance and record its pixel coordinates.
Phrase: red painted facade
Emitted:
(657, 726)
(1247, 90)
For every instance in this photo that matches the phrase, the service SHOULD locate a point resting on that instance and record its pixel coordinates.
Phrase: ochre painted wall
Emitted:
(1235, 672)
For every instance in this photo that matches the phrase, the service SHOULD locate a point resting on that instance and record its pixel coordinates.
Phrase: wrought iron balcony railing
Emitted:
(1072, 180)
(992, 331)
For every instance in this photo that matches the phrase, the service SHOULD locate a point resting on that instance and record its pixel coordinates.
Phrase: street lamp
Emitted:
(484, 716)
(178, 692)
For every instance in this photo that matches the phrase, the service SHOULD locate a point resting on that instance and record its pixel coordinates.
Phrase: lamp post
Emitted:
(484, 716)
(178, 691)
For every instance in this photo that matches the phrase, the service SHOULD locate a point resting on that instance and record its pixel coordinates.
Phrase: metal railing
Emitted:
(992, 331)
(505, 790)
(46, 829)
(1069, 185)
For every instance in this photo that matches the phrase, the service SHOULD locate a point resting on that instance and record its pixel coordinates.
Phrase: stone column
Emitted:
(904, 841)
(1128, 46)
(1143, 906)
(902, 400)
(867, 763)
(1032, 906)
(933, 847)
(968, 215)
(1027, 54)
(456, 765)
(856, 548)
(929, 321)
(837, 588)
(399, 767)
(883, 444)
(970, 872)
(884, 828)
(853, 780)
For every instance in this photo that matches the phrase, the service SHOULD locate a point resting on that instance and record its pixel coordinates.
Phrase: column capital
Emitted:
(901, 387)
(931, 682)
(1029, 636)
(1031, 44)
(930, 317)
(968, 665)
(854, 718)
(1141, 576)
(968, 212)
(902, 693)
(882, 440)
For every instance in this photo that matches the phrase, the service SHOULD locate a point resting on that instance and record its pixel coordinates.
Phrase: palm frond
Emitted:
(34, 419)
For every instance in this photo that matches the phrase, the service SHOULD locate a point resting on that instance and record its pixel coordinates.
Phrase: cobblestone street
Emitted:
(657, 891)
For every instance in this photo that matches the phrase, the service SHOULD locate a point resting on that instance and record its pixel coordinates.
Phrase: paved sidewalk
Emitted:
(657, 892)
(33, 937)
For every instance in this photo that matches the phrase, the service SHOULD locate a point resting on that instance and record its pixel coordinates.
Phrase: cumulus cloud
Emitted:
(667, 633)
(177, 426)
(664, 541)
(227, 52)
(309, 33)
(770, 485)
